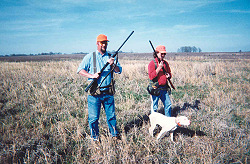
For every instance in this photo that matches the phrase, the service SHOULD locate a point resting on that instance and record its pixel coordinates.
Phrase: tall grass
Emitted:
(44, 114)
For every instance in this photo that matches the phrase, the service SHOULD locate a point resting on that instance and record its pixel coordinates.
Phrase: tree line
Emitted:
(181, 49)
(189, 49)
(43, 53)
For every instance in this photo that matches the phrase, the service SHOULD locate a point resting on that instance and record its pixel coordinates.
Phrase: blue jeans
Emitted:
(94, 107)
(164, 96)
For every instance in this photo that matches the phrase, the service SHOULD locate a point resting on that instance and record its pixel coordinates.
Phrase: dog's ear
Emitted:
(180, 118)
(177, 120)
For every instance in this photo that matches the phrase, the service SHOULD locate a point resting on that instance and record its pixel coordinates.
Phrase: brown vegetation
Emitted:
(44, 113)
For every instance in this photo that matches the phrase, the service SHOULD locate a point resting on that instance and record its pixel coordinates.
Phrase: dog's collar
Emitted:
(178, 124)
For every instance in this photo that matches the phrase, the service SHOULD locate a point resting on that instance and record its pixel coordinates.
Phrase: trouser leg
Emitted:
(109, 107)
(166, 102)
(94, 106)
(154, 103)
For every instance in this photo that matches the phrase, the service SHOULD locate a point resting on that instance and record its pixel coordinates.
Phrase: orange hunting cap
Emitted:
(101, 38)
(161, 49)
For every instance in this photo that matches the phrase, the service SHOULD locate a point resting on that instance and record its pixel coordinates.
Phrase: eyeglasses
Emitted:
(103, 42)
(162, 53)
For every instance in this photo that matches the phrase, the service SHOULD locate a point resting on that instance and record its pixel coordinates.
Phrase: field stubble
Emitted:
(44, 114)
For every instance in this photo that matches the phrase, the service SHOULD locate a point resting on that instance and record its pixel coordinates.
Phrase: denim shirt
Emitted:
(101, 60)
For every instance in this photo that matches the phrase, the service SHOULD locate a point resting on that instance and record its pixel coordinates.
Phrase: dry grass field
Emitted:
(43, 113)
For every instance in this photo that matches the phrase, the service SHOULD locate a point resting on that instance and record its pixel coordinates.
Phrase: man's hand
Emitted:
(96, 75)
(88, 75)
(167, 75)
(111, 61)
(161, 64)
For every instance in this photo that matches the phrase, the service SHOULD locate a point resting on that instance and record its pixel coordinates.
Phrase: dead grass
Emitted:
(44, 114)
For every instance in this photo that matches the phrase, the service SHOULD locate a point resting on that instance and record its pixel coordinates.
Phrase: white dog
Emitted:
(168, 124)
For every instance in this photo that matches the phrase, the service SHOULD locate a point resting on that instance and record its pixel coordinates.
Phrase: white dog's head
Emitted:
(182, 121)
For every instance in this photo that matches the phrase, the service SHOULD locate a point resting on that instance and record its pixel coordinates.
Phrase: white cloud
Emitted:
(238, 11)
(188, 27)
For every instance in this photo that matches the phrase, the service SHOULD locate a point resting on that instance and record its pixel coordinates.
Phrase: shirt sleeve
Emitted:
(151, 70)
(85, 64)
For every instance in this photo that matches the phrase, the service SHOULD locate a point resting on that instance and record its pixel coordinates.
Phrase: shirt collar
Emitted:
(97, 52)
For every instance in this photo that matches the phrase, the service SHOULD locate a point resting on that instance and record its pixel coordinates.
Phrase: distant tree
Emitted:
(199, 49)
(194, 49)
(188, 49)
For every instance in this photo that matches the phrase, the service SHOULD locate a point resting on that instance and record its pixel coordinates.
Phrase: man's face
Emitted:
(161, 55)
(102, 46)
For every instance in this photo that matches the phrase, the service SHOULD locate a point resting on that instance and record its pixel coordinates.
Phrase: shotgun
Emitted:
(94, 81)
(163, 66)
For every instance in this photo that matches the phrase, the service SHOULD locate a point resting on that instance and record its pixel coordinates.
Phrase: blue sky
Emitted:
(67, 26)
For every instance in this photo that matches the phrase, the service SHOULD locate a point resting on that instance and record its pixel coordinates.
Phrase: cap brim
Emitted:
(163, 51)
(102, 40)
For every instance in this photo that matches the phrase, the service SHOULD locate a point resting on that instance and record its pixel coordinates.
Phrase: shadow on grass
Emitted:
(176, 110)
(139, 120)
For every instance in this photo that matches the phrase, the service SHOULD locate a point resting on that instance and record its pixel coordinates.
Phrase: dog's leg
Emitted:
(161, 134)
(151, 130)
(172, 136)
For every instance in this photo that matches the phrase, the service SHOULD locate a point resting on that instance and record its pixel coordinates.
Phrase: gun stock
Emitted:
(163, 67)
(94, 81)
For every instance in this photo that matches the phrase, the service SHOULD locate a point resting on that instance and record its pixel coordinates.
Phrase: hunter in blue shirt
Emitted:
(104, 97)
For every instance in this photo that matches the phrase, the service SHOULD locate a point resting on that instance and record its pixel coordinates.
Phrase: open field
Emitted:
(44, 112)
